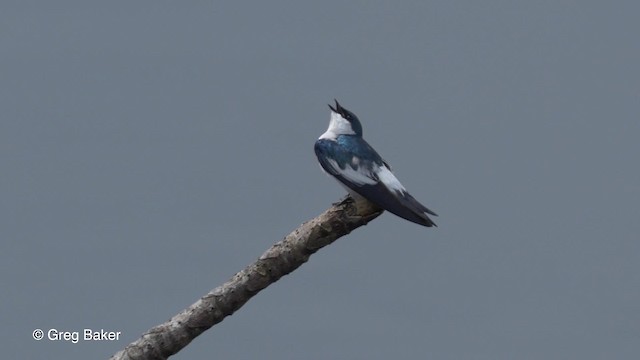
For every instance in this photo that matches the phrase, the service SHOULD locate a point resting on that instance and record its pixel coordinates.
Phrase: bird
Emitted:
(344, 154)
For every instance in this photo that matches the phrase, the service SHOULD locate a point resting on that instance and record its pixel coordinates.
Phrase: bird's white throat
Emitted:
(337, 126)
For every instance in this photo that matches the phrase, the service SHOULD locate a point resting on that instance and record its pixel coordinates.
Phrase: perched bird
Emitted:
(344, 154)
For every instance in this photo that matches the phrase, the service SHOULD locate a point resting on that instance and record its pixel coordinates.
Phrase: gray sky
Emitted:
(149, 150)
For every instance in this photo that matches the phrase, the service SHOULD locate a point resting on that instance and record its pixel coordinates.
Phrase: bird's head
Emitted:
(343, 121)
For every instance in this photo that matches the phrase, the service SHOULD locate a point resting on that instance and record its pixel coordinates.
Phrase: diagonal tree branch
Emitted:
(285, 256)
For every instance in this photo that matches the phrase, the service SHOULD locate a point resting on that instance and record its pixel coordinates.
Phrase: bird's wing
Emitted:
(378, 184)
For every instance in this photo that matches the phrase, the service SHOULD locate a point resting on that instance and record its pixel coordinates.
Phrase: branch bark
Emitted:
(285, 256)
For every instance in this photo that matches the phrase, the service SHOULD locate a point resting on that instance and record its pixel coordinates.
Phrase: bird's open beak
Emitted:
(337, 109)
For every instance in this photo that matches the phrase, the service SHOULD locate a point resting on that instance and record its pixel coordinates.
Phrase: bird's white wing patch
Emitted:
(389, 180)
(354, 176)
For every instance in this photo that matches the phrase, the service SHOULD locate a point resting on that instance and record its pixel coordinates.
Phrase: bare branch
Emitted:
(166, 339)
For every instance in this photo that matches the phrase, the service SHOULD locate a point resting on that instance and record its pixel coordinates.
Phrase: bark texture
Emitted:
(166, 339)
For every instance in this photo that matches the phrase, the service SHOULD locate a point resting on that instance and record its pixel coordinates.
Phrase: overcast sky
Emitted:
(151, 149)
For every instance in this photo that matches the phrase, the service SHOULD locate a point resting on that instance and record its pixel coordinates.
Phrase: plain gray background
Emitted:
(151, 149)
